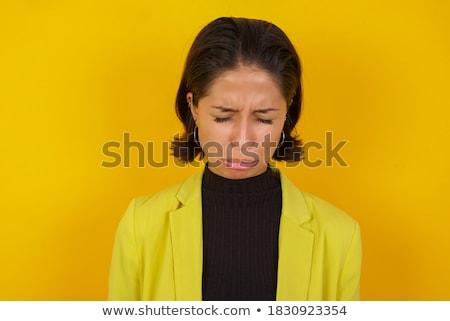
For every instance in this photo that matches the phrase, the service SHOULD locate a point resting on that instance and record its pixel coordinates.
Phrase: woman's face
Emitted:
(240, 121)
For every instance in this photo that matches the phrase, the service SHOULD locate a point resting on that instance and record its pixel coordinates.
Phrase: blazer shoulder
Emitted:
(165, 198)
(314, 211)
(168, 199)
(332, 223)
(326, 211)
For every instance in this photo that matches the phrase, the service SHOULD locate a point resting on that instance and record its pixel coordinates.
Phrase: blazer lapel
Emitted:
(295, 245)
(186, 233)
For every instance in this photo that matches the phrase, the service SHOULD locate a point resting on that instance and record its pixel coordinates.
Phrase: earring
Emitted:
(283, 136)
(196, 136)
(189, 101)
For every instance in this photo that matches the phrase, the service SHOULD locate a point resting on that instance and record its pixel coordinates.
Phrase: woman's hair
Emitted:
(225, 44)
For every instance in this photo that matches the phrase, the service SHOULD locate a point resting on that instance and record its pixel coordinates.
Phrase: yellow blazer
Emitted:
(158, 248)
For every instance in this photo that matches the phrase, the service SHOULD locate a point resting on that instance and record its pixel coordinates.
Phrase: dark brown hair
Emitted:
(223, 45)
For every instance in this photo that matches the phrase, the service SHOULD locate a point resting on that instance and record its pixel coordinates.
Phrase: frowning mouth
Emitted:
(239, 164)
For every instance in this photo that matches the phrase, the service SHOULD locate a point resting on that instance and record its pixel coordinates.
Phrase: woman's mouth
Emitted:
(239, 164)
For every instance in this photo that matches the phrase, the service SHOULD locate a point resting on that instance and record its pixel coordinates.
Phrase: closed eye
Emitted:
(265, 121)
(221, 119)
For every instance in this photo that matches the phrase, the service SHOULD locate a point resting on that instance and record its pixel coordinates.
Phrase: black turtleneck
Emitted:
(241, 219)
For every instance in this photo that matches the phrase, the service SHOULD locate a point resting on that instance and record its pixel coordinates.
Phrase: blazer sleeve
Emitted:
(124, 270)
(351, 270)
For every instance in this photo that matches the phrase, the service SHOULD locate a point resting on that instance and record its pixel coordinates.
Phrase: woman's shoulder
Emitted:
(169, 198)
(326, 212)
(310, 209)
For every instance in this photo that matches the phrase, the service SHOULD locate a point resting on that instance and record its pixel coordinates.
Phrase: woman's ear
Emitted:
(192, 107)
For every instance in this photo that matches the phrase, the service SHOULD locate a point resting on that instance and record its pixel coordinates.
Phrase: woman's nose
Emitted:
(241, 133)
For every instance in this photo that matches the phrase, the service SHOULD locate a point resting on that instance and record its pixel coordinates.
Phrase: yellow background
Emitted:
(77, 74)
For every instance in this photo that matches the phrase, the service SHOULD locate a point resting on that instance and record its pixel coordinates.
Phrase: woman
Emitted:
(239, 230)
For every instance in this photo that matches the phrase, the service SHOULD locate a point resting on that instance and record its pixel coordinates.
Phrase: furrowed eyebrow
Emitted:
(257, 111)
(265, 111)
(224, 109)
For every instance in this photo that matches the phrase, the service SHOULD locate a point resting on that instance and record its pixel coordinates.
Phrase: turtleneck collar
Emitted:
(256, 184)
